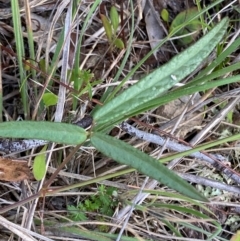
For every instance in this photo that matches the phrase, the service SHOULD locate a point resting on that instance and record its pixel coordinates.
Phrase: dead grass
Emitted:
(159, 214)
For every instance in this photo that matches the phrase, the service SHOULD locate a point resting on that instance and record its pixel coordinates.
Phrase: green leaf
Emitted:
(20, 47)
(159, 81)
(186, 90)
(165, 15)
(49, 99)
(119, 43)
(114, 18)
(39, 165)
(85, 234)
(236, 237)
(43, 130)
(126, 154)
(42, 65)
(76, 214)
(194, 26)
(107, 26)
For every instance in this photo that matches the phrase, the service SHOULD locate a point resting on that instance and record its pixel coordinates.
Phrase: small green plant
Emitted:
(192, 28)
(49, 99)
(165, 15)
(111, 27)
(77, 213)
(39, 165)
(146, 94)
(103, 202)
(82, 83)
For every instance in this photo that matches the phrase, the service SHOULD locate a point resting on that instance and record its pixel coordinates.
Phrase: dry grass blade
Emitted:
(65, 61)
(21, 232)
(68, 40)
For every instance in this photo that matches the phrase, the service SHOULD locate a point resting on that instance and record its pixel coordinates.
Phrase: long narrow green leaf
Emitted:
(39, 164)
(43, 130)
(30, 41)
(126, 154)
(137, 66)
(114, 18)
(200, 83)
(203, 147)
(159, 81)
(17, 27)
(87, 20)
(107, 26)
(180, 209)
(186, 90)
(210, 235)
(234, 46)
(85, 234)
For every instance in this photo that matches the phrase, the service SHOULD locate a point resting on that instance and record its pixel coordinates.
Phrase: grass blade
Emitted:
(186, 90)
(20, 53)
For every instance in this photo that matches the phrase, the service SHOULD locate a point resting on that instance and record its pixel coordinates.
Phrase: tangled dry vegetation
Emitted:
(114, 203)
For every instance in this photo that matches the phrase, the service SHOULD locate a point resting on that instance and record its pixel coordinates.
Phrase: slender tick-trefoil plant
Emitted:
(144, 95)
